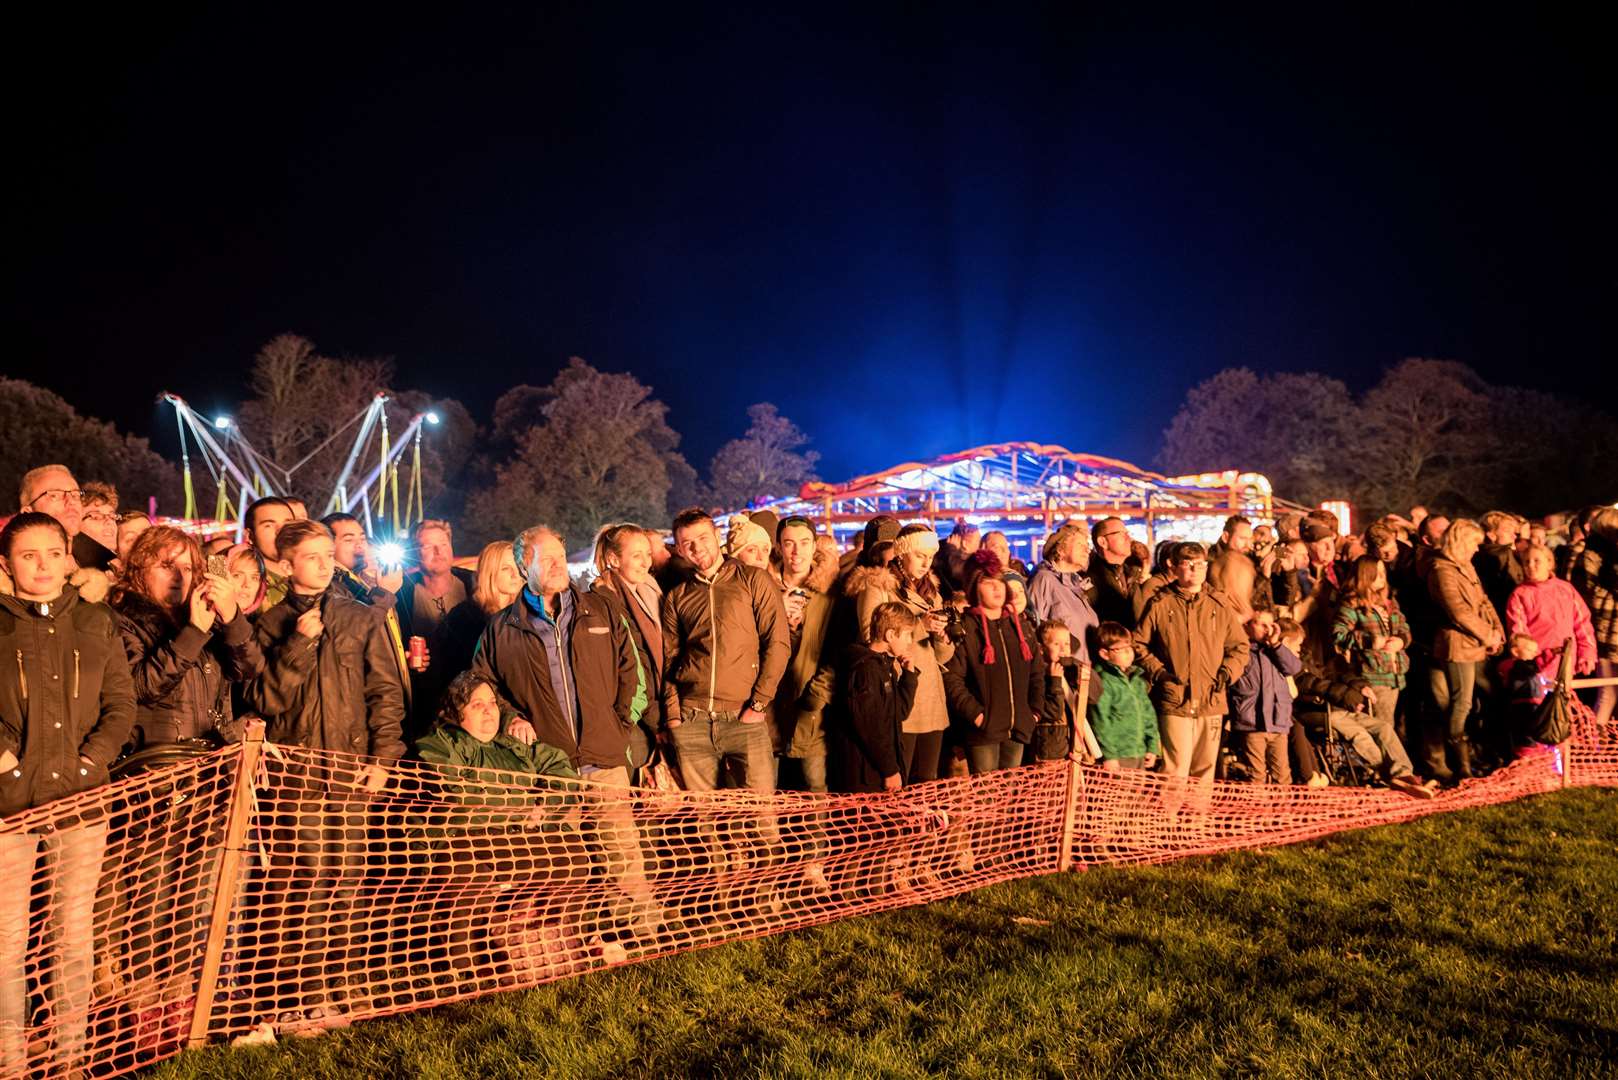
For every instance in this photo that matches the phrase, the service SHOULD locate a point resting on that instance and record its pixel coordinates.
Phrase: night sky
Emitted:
(913, 232)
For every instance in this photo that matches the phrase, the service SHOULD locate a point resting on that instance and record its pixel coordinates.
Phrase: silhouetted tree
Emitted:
(600, 451)
(764, 463)
(41, 428)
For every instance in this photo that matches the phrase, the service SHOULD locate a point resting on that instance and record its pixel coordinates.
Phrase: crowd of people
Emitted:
(763, 657)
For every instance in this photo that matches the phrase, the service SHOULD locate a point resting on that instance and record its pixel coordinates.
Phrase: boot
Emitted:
(1463, 759)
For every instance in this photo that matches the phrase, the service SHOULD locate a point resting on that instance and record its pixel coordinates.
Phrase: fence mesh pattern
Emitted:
(267, 884)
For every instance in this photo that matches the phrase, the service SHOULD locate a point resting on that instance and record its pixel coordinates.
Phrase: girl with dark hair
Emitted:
(996, 681)
(66, 705)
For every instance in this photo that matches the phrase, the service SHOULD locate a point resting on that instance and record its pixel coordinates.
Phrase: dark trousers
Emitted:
(921, 753)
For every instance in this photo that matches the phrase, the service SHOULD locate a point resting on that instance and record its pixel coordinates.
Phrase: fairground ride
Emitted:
(240, 473)
(1027, 489)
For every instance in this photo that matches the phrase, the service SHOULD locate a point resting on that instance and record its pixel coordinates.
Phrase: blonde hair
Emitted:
(486, 594)
(1460, 530)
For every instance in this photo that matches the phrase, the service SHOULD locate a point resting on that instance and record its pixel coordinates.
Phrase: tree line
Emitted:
(594, 446)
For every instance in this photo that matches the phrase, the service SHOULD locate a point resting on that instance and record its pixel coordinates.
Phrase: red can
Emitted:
(417, 652)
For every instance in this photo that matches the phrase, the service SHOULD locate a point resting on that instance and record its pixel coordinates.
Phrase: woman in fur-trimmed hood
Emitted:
(907, 577)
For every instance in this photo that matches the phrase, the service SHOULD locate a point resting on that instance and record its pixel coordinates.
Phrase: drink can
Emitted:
(418, 651)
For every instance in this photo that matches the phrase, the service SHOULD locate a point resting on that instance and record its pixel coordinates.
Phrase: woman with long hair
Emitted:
(1468, 631)
(1372, 635)
(908, 577)
(623, 562)
(996, 681)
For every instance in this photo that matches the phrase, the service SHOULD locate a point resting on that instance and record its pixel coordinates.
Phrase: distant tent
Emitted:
(1027, 489)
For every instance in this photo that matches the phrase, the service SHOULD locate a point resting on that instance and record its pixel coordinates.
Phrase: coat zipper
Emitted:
(22, 676)
(75, 674)
(1011, 685)
(713, 659)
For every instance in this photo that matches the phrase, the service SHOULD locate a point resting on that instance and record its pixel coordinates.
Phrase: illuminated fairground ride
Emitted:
(1026, 490)
(237, 467)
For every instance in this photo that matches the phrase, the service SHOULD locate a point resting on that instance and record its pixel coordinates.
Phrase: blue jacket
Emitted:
(1055, 594)
(1260, 700)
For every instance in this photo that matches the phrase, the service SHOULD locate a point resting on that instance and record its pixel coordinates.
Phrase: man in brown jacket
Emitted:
(1192, 646)
(725, 645)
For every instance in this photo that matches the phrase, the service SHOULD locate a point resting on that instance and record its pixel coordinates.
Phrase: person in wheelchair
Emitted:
(1335, 708)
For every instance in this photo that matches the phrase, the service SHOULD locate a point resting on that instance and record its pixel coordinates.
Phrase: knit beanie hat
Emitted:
(745, 533)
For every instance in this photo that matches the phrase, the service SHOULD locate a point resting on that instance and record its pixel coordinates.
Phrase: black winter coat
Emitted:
(512, 653)
(868, 730)
(340, 691)
(1010, 694)
(65, 694)
(182, 675)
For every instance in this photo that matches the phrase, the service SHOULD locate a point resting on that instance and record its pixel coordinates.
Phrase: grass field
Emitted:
(1481, 943)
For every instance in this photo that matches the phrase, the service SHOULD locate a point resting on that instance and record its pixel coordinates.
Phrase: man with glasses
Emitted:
(1114, 577)
(52, 489)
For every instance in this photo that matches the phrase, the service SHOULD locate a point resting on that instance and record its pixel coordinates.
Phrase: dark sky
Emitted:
(914, 232)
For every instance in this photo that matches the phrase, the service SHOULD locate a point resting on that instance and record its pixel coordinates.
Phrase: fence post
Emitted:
(1564, 685)
(224, 893)
(1075, 771)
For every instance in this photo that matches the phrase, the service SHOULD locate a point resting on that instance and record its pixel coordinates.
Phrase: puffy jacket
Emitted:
(1551, 612)
(340, 691)
(1193, 650)
(1061, 594)
(1467, 622)
(65, 694)
(1121, 714)
(1010, 693)
(607, 680)
(725, 641)
(871, 587)
(1260, 699)
(183, 675)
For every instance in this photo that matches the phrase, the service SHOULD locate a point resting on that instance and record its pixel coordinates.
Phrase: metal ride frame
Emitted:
(256, 476)
(1026, 489)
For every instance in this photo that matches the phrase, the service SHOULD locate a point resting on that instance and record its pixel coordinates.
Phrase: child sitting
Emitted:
(1526, 687)
(1122, 716)
(1261, 702)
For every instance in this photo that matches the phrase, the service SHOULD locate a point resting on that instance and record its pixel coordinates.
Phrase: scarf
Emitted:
(988, 646)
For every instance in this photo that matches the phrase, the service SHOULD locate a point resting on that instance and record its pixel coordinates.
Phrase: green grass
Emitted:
(1480, 943)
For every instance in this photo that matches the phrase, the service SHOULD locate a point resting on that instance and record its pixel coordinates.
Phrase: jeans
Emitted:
(312, 924)
(987, 757)
(704, 743)
(64, 866)
(1373, 736)
(813, 767)
(1453, 685)
(610, 817)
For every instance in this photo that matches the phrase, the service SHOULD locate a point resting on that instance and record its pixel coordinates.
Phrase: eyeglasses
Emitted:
(100, 516)
(57, 495)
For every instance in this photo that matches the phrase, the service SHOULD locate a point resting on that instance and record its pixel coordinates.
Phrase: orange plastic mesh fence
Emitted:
(446, 886)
